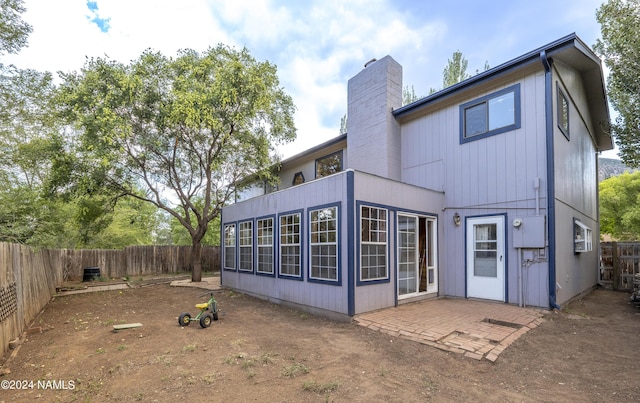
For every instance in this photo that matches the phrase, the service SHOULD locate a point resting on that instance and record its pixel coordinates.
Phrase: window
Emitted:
(324, 244)
(493, 114)
(581, 237)
(264, 229)
(298, 179)
(290, 245)
(246, 246)
(329, 165)
(563, 113)
(373, 243)
(230, 246)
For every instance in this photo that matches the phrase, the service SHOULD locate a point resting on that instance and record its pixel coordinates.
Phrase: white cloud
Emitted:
(317, 45)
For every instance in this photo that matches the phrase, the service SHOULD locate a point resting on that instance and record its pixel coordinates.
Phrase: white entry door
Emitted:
(485, 258)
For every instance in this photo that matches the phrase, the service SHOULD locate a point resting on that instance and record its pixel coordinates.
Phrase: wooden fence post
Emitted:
(616, 265)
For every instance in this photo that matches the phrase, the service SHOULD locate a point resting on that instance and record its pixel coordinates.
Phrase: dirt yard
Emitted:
(259, 351)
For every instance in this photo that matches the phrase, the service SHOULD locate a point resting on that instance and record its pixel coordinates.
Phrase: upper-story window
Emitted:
(298, 178)
(563, 113)
(492, 114)
(329, 164)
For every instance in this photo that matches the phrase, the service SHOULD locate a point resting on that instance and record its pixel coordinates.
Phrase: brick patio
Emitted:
(476, 329)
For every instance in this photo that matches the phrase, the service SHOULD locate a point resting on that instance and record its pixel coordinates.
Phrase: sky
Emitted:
(317, 45)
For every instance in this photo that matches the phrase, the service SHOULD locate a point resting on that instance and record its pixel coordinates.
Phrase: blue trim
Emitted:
(358, 238)
(338, 280)
(235, 248)
(351, 292)
(551, 194)
(302, 233)
(253, 243)
(273, 246)
(485, 99)
(506, 249)
(506, 259)
(416, 212)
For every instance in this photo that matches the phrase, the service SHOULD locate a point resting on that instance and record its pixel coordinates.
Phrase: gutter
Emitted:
(551, 196)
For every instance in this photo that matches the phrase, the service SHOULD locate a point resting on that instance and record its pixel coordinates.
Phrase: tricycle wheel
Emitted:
(184, 319)
(205, 320)
(215, 311)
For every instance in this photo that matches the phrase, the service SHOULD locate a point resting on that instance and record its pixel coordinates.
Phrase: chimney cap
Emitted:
(370, 62)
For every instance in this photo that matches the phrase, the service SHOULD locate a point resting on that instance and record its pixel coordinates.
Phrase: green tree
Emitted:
(185, 129)
(409, 95)
(620, 206)
(13, 30)
(620, 49)
(455, 71)
(29, 141)
(132, 222)
(343, 124)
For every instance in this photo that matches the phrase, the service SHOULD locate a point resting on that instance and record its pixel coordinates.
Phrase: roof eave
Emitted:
(559, 48)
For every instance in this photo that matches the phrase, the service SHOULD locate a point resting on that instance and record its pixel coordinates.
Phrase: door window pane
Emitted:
(485, 262)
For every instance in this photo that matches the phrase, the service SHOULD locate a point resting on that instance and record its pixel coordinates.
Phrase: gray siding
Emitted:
(330, 300)
(494, 175)
(308, 166)
(576, 188)
(396, 196)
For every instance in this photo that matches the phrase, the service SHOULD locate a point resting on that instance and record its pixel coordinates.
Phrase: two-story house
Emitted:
(487, 189)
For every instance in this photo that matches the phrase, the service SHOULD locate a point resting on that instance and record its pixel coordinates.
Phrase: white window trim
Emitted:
(263, 246)
(298, 244)
(241, 246)
(385, 244)
(312, 244)
(584, 243)
(229, 245)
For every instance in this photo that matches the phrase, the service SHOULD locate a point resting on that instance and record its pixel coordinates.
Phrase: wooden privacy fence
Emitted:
(619, 262)
(132, 261)
(28, 278)
(27, 282)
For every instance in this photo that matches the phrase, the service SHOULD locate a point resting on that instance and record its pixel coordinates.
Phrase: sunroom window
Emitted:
(373, 243)
(264, 228)
(324, 244)
(581, 237)
(246, 245)
(230, 247)
(290, 259)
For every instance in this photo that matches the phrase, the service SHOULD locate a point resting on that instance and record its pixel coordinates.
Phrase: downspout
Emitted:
(551, 196)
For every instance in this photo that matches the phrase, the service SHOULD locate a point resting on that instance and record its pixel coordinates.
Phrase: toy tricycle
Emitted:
(208, 312)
